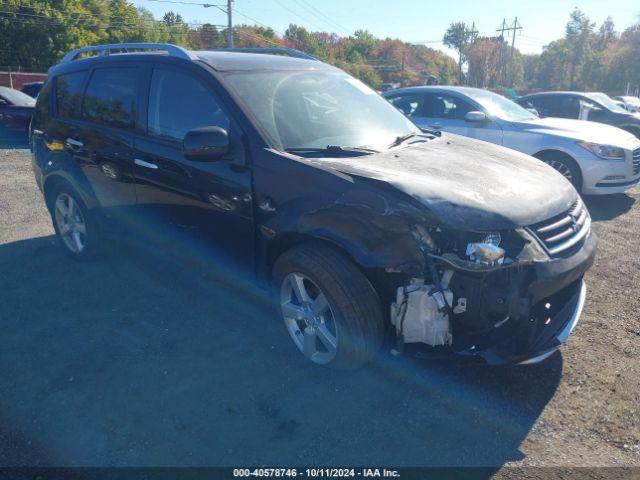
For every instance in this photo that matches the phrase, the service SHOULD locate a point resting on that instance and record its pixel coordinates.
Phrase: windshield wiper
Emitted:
(333, 149)
(403, 138)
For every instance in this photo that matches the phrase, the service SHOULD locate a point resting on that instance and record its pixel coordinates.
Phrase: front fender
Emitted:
(372, 226)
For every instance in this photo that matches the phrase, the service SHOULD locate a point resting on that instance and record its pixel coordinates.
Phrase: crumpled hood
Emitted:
(581, 130)
(468, 184)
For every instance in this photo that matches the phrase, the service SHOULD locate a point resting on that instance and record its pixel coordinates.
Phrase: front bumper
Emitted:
(563, 335)
(555, 292)
(607, 177)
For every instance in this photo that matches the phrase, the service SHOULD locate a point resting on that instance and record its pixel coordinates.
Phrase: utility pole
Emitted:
(504, 28)
(402, 70)
(473, 35)
(229, 24)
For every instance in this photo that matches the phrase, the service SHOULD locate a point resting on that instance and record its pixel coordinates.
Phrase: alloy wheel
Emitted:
(562, 168)
(70, 222)
(309, 318)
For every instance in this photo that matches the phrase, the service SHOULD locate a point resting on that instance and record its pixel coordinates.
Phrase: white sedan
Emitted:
(596, 158)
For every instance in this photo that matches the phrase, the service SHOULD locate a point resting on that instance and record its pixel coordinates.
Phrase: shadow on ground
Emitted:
(135, 360)
(608, 207)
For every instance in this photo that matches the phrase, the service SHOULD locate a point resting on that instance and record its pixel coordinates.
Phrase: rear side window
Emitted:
(69, 93)
(179, 103)
(110, 97)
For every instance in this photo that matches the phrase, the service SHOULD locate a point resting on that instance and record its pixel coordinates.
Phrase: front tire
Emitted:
(330, 309)
(75, 227)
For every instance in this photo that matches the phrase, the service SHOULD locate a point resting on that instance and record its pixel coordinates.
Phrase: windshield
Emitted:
(16, 98)
(635, 101)
(501, 107)
(607, 102)
(311, 109)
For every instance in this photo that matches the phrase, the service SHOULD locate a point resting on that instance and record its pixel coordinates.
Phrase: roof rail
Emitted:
(104, 50)
(291, 52)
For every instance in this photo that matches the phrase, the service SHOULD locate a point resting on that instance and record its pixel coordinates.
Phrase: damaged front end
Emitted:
(505, 296)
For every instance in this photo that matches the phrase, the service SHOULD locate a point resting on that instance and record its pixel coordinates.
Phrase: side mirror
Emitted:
(475, 116)
(205, 144)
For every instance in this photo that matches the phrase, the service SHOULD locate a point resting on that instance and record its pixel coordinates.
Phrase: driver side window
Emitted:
(172, 113)
(410, 105)
(444, 106)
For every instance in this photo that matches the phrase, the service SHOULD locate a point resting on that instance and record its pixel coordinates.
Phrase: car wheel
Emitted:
(329, 307)
(75, 228)
(565, 166)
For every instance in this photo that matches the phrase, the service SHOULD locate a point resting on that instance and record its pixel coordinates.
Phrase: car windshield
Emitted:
(315, 109)
(501, 107)
(635, 101)
(16, 98)
(607, 102)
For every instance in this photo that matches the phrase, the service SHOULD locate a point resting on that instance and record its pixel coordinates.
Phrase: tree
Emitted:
(460, 37)
(579, 34)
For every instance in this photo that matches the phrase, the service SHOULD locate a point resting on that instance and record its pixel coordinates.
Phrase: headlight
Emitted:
(486, 252)
(605, 152)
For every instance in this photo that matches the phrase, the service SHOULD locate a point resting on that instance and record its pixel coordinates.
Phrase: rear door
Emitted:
(95, 118)
(209, 203)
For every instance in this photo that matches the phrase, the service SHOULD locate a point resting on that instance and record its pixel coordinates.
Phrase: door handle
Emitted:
(142, 163)
(74, 143)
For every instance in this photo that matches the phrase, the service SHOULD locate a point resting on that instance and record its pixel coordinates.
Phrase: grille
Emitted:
(561, 234)
(636, 161)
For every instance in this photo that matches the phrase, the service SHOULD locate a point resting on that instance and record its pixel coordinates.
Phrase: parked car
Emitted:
(16, 109)
(32, 89)
(597, 159)
(304, 177)
(595, 107)
(631, 104)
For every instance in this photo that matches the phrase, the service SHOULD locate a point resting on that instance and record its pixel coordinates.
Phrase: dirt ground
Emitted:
(134, 360)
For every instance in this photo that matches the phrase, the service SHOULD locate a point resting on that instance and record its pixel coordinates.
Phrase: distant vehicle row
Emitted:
(595, 158)
(16, 110)
(595, 107)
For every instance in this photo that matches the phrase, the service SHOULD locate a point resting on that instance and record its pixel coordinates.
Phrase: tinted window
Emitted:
(110, 97)
(179, 103)
(557, 106)
(439, 105)
(44, 100)
(69, 93)
(409, 104)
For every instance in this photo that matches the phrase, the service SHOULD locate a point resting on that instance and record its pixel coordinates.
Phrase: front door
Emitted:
(208, 205)
(442, 111)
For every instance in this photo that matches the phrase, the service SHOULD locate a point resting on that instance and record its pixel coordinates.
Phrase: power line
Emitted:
(328, 20)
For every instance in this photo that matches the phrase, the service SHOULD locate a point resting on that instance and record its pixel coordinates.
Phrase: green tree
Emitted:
(460, 37)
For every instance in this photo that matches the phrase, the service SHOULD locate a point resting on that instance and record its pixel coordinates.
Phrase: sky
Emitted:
(414, 21)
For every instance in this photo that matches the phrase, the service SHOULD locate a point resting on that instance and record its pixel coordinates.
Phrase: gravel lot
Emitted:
(133, 360)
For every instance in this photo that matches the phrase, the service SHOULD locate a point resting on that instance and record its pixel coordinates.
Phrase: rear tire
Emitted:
(565, 165)
(75, 227)
(352, 318)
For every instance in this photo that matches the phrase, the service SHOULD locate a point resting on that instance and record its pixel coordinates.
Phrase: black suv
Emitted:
(359, 222)
(595, 107)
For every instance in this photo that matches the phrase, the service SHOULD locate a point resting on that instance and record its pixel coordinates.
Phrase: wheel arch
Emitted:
(53, 180)
(552, 153)
(381, 281)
